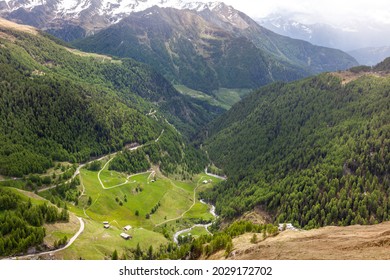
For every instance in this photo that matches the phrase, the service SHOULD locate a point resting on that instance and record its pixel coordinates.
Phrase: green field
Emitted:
(223, 97)
(154, 205)
(122, 197)
(229, 97)
(99, 243)
(196, 232)
(200, 96)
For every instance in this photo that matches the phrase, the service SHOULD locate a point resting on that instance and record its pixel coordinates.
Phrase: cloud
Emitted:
(336, 12)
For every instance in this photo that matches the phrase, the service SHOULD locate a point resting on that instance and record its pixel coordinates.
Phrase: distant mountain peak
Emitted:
(347, 36)
(89, 15)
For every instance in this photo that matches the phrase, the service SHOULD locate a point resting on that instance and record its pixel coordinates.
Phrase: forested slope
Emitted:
(21, 222)
(58, 104)
(313, 152)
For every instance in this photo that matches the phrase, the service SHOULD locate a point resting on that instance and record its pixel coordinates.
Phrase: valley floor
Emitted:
(328, 243)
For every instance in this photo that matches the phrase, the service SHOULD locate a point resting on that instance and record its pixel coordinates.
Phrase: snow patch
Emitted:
(115, 10)
(34, 3)
(73, 7)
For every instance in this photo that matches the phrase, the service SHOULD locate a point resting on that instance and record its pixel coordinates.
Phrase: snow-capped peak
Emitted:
(92, 15)
(72, 7)
(112, 7)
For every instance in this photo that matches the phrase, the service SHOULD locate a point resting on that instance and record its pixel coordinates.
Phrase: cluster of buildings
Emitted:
(124, 235)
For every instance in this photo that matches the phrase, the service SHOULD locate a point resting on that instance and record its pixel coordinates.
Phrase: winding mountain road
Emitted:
(77, 171)
(214, 175)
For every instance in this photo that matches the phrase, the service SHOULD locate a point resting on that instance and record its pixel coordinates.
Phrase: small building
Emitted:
(126, 228)
(106, 226)
(286, 227)
(125, 236)
(205, 182)
(106, 223)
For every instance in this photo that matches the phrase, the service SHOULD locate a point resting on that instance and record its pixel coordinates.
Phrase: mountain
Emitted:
(70, 20)
(313, 152)
(370, 56)
(346, 37)
(317, 34)
(59, 104)
(217, 47)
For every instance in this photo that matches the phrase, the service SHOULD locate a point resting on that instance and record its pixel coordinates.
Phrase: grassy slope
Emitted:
(224, 98)
(328, 243)
(175, 197)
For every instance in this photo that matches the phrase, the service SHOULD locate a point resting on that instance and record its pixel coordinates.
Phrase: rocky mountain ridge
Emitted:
(213, 48)
(74, 19)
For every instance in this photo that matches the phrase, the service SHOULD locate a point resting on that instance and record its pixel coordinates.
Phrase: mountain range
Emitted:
(71, 20)
(370, 56)
(204, 46)
(217, 47)
(368, 43)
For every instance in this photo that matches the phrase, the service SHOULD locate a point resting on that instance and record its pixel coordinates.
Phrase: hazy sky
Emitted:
(335, 12)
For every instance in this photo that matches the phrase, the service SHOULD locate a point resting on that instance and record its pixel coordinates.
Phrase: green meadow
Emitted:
(129, 199)
(196, 232)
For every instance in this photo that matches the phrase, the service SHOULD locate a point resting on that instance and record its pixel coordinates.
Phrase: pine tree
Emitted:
(228, 248)
(150, 253)
(138, 252)
(254, 238)
(114, 255)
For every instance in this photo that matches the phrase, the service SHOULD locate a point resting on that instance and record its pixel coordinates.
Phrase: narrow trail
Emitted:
(185, 212)
(82, 184)
(150, 175)
(158, 138)
(77, 171)
(100, 171)
(11, 179)
(126, 182)
(132, 149)
(86, 208)
(105, 165)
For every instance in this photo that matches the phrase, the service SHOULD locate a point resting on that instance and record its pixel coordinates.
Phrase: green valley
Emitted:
(154, 205)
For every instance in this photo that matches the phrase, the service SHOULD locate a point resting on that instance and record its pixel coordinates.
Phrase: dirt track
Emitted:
(330, 243)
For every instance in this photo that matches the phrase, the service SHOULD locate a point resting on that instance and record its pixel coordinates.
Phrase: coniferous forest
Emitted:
(60, 106)
(21, 222)
(313, 152)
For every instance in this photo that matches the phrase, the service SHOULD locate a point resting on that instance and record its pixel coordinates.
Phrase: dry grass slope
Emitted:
(19, 27)
(348, 76)
(329, 243)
